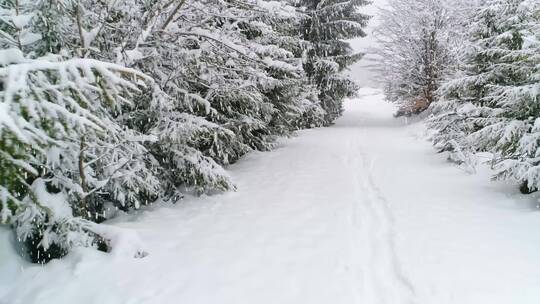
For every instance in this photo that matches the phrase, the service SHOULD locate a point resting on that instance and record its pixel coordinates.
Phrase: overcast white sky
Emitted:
(361, 71)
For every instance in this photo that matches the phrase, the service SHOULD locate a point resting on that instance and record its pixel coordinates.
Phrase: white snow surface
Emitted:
(362, 212)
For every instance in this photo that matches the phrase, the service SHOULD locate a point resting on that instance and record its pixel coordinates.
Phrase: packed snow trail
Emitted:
(362, 212)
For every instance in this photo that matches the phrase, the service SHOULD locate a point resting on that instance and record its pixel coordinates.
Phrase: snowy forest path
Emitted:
(360, 212)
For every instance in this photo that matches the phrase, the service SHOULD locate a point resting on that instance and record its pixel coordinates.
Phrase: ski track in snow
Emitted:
(385, 281)
(363, 212)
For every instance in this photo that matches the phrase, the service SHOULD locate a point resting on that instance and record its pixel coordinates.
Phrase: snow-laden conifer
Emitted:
(493, 106)
(327, 26)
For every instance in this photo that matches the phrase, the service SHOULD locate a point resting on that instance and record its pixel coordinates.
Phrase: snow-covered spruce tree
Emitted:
(512, 131)
(62, 151)
(234, 74)
(460, 102)
(494, 106)
(270, 96)
(150, 39)
(274, 37)
(234, 68)
(327, 25)
(416, 52)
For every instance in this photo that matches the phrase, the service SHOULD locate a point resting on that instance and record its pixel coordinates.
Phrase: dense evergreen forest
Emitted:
(113, 105)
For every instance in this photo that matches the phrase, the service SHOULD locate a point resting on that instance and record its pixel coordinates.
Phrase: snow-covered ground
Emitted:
(362, 212)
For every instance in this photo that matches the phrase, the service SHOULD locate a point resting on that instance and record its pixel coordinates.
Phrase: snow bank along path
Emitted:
(362, 212)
